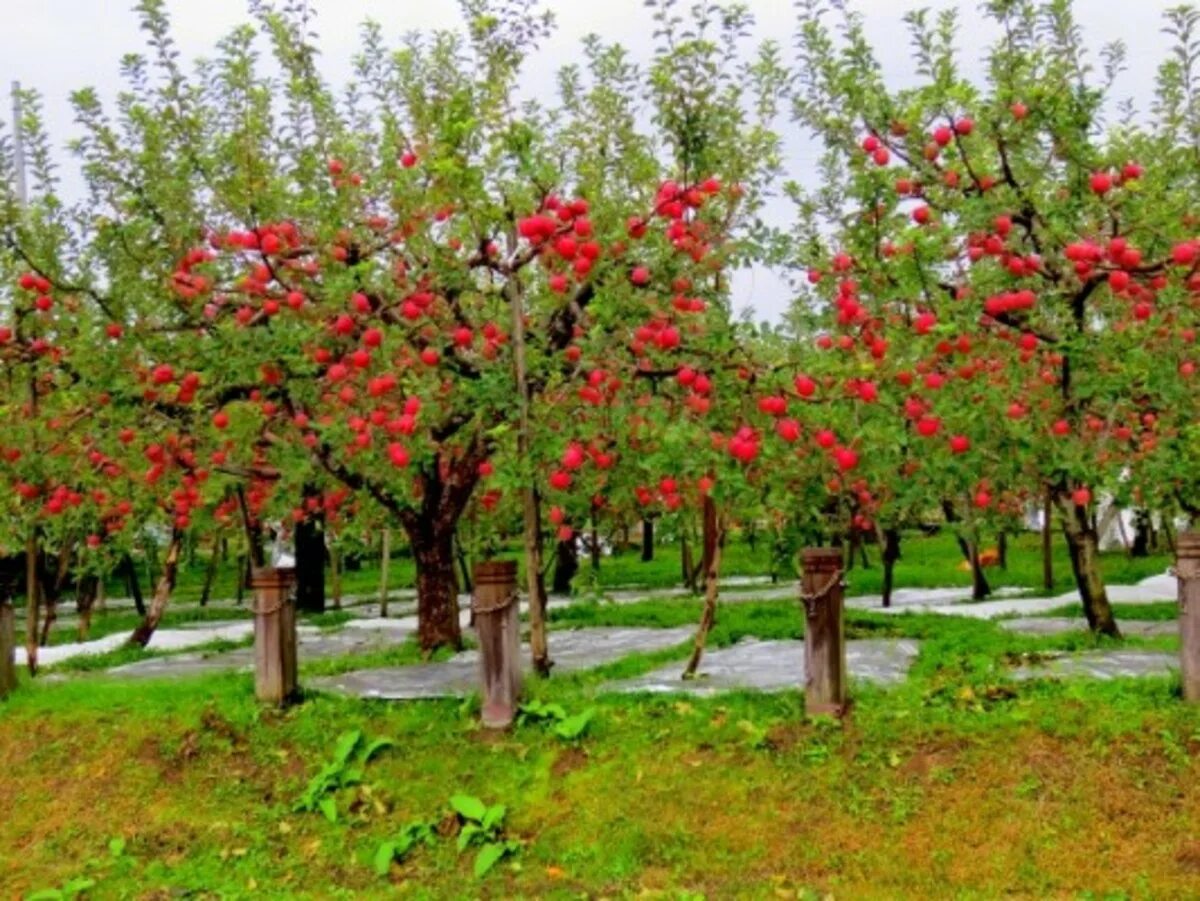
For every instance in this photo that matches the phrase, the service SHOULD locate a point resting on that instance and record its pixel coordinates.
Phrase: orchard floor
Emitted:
(967, 774)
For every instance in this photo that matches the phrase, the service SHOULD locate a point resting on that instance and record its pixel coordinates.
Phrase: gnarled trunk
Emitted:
(132, 584)
(162, 593)
(86, 593)
(980, 588)
(53, 585)
(1083, 547)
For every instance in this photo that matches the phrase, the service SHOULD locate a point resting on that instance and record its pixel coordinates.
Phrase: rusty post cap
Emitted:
(272, 577)
(821, 559)
(496, 572)
(1187, 545)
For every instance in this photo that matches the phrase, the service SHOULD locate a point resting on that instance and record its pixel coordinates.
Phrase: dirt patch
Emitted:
(568, 761)
(1188, 857)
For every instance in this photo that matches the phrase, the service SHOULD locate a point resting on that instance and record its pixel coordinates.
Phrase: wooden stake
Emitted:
(33, 590)
(822, 594)
(1187, 571)
(497, 625)
(385, 559)
(8, 631)
(274, 635)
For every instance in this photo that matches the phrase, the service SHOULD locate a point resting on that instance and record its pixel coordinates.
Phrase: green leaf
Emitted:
(116, 846)
(468, 807)
(374, 748)
(575, 726)
(465, 837)
(489, 855)
(78, 886)
(346, 745)
(384, 856)
(46, 894)
(493, 818)
(328, 807)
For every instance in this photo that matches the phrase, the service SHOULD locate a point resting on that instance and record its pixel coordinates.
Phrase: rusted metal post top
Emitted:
(821, 559)
(272, 577)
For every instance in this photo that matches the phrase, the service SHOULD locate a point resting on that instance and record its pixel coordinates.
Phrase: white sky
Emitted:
(59, 45)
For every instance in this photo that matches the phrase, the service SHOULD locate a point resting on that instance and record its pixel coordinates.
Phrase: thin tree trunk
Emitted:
(310, 560)
(53, 591)
(210, 572)
(712, 569)
(464, 567)
(595, 548)
(1048, 542)
(890, 554)
(647, 540)
(385, 562)
(1143, 537)
(530, 501)
(133, 584)
(685, 561)
(1083, 547)
(335, 575)
(980, 588)
(566, 565)
(32, 591)
(243, 567)
(85, 601)
(162, 592)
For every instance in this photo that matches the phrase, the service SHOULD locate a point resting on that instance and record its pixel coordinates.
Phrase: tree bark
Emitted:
(385, 562)
(1048, 543)
(712, 569)
(464, 567)
(890, 554)
(32, 591)
(335, 575)
(437, 591)
(133, 584)
(52, 588)
(1083, 548)
(566, 565)
(210, 571)
(8, 635)
(980, 588)
(162, 593)
(685, 561)
(1143, 534)
(595, 548)
(310, 564)
(85, 601)
(647, 540)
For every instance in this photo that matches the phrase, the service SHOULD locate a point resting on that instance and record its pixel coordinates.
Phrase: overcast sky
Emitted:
(59, 45)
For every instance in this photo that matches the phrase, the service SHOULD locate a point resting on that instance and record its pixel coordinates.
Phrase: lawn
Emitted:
(959, 782)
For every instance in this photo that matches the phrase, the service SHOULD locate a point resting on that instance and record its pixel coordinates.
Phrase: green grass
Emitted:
(954, 784)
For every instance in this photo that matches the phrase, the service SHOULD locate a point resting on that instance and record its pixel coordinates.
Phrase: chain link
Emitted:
(503, 604)
(810, 600)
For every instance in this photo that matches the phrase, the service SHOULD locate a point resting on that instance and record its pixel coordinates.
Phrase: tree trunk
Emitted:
(133, 584)
(437, 593)
(464, 567)
(8, 634)
(85, 601)
(712, 569)
(52, 589)
(1048, 543)
(1143, 534)
(162, 593)
(243, 564)
(685, 561)
(210, 571)
(595, 548)
(310, 564)
(536, 583)
(890, 554)
(1083, 547)
(980, 588)
(385, 562)
(566, 565)
(32, 591)
(647, 540)
(335, 576)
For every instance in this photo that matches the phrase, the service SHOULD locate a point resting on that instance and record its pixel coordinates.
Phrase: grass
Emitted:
(929, 790)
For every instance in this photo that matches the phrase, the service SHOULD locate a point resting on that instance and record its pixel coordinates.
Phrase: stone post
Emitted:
(8, 630)
(1187, 571)
(822, 593)
(274, 635)
(498, 627)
